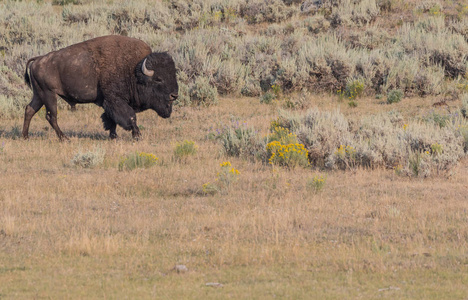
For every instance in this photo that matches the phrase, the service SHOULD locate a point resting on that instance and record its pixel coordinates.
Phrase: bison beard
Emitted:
(117, 73)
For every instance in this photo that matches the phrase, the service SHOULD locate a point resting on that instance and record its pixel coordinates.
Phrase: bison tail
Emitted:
(27, 78)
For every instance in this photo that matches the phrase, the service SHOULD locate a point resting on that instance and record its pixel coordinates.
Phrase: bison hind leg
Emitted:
(110, 125)
(29, 112)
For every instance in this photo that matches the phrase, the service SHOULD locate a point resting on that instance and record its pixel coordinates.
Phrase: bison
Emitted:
(118, 73)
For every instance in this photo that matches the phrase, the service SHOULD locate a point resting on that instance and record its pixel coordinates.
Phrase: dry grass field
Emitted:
(72, 232)
(375, 90)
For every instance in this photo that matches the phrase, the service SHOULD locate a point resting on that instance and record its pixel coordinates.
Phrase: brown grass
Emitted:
(68, 232)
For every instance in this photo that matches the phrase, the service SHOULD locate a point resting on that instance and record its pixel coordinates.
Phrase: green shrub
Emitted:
(463, 130)
(346, 156)
(437, 149)
(316, 183)
(137, 160)
(224, 179)
(89, 159)
(282, 135)
(184, 150)
(435, 10)
(276, 89)
(415, 162)
(267, 98)
(354, 89)
(394, 96)
(437, 119)
(66, 2)
(464, 106)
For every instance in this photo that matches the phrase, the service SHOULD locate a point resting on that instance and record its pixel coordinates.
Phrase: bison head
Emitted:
(156, 75)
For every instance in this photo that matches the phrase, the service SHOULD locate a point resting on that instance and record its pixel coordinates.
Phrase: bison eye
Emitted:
(157, 79)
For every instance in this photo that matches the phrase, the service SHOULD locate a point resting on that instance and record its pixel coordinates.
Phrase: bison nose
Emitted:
(173, 96)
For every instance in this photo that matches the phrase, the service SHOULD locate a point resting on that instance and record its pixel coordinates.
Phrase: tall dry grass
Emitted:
(87, 232)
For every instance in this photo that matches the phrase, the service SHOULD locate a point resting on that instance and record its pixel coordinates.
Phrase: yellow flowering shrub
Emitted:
(284, 149)
(346, 156)
(282, 135)
(225, 164)
(227, 175)
(290, 155)
(437, 149)
(224, 179)
(317, 183)
(345, 152)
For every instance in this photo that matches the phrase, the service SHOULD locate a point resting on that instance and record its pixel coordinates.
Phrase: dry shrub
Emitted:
(349, 12)
(454, 63)
(372, 38)
(203, 93)
(240, 140)
(230, 77)
(258, 11)
(426, 5)
(251, 88)
(441, 47)
(13, 93)
(320, 132)
(316, 24)
(89, 159)
(311, 7)
(341, 70)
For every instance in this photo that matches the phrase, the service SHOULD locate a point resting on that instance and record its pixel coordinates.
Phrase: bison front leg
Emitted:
(110, 125)
(121, 113)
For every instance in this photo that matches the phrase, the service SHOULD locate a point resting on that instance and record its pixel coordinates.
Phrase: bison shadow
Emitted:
(99, 136)
(15, 133)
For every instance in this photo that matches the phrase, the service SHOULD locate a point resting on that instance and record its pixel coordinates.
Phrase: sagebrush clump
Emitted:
(394, 96)
(89, 159)
(239, 139)
(421, 148)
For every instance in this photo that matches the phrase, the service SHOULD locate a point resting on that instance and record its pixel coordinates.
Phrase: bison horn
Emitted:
(145, 70)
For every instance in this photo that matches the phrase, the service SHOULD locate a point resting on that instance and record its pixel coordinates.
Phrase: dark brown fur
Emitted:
(106, 71)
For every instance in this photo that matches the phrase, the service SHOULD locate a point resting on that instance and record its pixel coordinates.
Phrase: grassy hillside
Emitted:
(318, 150)
(244, 47)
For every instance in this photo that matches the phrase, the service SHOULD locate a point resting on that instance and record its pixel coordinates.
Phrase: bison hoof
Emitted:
(136, 137)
